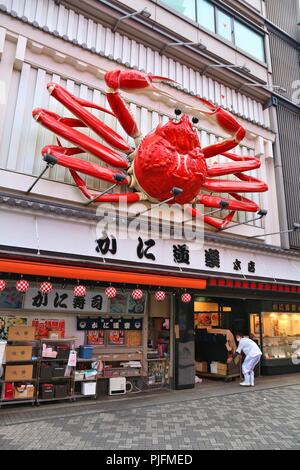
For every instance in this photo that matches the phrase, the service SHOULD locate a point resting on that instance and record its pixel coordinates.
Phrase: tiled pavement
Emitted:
(255, 419)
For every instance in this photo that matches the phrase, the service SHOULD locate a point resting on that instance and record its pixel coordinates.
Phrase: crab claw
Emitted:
(225, 119)
(132, 79)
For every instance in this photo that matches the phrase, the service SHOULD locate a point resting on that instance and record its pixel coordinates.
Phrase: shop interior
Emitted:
(123, 346)
(214, 339)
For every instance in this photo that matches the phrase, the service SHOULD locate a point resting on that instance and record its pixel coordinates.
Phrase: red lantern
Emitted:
(22, 286)
(160, 295)
(110, 292)
(186, 297)
(137, 294)
(45, 287)
(2, 285)
(80, 291)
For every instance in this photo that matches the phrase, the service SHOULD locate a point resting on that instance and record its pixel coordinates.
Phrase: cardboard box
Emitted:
(214, 368)
(18, 353)
(24, 392)
(88, 388)
(222, 368)
(21, 333)
(201, 366)
(18, 373)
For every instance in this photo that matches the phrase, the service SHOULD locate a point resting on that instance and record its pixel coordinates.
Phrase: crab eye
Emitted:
(177, 112)
(195, 120)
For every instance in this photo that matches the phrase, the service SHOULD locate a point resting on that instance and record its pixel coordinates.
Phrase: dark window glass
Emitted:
(206, 14)
(185, 7)
(249, 41)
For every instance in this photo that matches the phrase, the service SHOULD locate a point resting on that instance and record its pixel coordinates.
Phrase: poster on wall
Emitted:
(11, 298)
(116, 338)
(7, 321)
(119, 303)
(49, 328)
(95, 338)
(137, 306)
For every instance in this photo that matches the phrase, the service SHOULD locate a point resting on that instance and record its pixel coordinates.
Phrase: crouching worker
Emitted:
(253, 355)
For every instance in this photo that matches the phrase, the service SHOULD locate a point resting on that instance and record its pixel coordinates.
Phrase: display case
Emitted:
(278, 334)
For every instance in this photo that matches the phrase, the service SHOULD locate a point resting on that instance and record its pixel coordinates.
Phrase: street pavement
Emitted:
(267, 417)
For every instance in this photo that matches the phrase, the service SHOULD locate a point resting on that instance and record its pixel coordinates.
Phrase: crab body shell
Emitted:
(168, 157)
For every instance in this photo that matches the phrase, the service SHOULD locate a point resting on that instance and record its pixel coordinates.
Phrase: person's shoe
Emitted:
(247, 382)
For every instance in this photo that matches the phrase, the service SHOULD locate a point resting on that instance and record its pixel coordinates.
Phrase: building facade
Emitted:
(243, 278)
(283, 29)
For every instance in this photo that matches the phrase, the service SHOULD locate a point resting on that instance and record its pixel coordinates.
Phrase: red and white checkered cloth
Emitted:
(80, 291)
(160, 295)
(2, 285)
(137, 294)
(186, 297)
(22, 285)
(110, 292)
(45, 287)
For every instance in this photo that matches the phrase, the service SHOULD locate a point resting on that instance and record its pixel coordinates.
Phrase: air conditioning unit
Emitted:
(117, 386)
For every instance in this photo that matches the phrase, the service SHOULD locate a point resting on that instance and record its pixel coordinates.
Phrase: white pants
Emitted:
(249, 366)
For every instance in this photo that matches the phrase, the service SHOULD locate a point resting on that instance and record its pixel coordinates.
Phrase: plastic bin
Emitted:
(86, 352)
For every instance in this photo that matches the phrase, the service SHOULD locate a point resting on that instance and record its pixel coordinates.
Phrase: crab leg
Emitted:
(56, 154)
(227, 186)
(116, 197)
(77, 105)
(127, 80)
(241, 203)
(228, 122)
(232, 168)
(55, 123)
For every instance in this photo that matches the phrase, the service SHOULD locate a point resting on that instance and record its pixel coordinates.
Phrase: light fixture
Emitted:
(243, 68)
(79, 290)
(174, 191)
(198, 45)
(22, 285)
(160, 295)
(2, 285)
(262, 213)
(45, 287)
(295, 228)
(223, 205)
(137, 294)
(51, 161)
(119, 179)
(110, 292)
(186, 298)
(262, 85)
(145, 13)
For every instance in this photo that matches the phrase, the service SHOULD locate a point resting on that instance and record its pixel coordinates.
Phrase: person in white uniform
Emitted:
(253, 355)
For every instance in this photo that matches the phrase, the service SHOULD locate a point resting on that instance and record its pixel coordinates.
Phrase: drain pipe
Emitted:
(285, 243)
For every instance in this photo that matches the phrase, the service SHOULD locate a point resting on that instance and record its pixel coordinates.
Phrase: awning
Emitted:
(34, 268)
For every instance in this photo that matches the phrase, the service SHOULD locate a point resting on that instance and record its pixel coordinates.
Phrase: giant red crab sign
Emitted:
(169, 160)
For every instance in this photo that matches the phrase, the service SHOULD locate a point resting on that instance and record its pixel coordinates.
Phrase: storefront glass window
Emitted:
(224, 25)
(185, 7)
(249, 41)
(206, 14)
(280, 334)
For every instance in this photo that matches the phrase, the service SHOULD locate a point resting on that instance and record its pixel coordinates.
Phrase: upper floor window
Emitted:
(218, 21)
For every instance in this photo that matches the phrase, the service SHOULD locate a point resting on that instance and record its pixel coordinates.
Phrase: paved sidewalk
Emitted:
(213, 416)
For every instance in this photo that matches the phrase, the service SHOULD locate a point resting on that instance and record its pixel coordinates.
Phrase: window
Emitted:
(249, 41)
(206, 14)
(224, 25)
(185, 7)
(218, 21)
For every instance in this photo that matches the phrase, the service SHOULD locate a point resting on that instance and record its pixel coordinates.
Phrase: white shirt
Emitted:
(248, 347)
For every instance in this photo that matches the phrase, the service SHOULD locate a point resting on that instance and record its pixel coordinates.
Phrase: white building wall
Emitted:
(31, 58)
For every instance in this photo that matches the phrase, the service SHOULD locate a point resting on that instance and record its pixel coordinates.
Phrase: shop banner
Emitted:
(63, 300)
